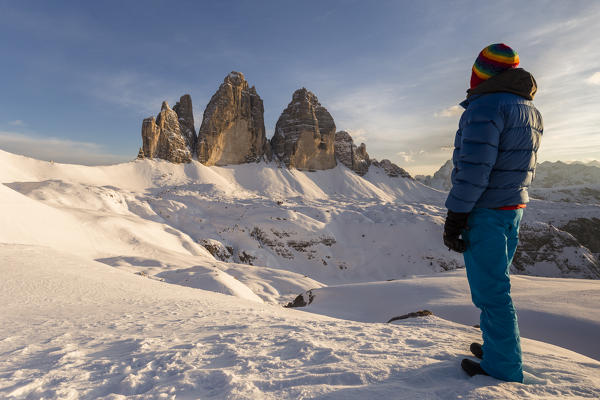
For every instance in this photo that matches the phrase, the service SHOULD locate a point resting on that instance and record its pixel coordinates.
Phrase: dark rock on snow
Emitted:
(302, 300)
(422, 313)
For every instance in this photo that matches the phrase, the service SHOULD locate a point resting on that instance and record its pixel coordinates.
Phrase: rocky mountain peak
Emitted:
(304, 95)
(235, 78)
(185, 113)
(162, 137)
(305, 133)
(353, 157)
(233, 132)
(233, 128)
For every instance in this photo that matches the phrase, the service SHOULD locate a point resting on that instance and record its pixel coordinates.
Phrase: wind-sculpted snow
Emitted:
(72, 328)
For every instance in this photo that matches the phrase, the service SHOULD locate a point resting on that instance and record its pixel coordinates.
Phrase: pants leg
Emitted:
(492, 239)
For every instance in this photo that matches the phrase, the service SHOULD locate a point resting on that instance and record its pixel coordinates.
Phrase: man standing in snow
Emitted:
(494, 162)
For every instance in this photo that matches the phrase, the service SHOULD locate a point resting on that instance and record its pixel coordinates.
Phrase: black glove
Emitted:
(453, 227)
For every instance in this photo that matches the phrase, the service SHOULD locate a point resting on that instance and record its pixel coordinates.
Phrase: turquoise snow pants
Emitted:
(492, 237)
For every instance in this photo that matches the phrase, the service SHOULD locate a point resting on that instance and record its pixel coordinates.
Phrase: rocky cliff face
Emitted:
(233, 128)
(544, 248)
(233, 132)
(353, 157)
(185, 115)
(391, 169)
(305, 134)
(162, 137)
(587, 232)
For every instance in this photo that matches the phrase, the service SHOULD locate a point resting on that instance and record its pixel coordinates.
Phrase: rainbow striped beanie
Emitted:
(492, 60)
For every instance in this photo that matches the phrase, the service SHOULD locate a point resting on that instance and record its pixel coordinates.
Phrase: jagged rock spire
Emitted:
(185, 113)
(162, 137)
(353, 157)
(305, 134)
(233, 128)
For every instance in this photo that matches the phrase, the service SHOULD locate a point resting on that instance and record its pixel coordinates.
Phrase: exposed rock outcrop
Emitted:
(545, 250)
(305, 134)
(217, 249)
(586, 231)
(420, 313)
(162, 137)
(302, 300)
(346, 152)
(185, 115)
(233, 128)
(391, 169)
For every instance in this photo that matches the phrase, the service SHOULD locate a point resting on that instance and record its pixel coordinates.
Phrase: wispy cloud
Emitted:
(137, 91)
(17, 122)
(408, 156)
(372, 110)
(140, 92)
(449, 112)
(594, 79)
(56, 149)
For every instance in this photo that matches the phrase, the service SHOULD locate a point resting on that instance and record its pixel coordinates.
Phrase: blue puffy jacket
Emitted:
(495, 151)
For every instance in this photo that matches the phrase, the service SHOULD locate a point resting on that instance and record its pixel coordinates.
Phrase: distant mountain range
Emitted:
(575, 182)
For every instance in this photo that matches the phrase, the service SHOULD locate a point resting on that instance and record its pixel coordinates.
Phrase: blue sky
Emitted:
(79, 77)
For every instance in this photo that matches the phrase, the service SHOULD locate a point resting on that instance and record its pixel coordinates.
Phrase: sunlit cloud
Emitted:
(406, 157)
(594, 79)
(449, 112)
(409, 156)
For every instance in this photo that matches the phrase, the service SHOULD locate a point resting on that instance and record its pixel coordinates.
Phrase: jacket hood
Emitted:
(515, 80)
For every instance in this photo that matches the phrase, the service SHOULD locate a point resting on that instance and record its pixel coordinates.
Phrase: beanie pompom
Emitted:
(492, 60)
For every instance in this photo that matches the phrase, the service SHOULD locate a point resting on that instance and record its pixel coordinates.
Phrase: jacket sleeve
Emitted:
(475, 153)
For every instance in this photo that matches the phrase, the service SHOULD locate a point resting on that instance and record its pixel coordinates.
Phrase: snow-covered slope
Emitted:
(332, 226)
(73, 328)
(114, 283)
(550, 309)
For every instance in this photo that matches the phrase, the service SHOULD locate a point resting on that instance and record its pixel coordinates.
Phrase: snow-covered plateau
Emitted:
(156, 280)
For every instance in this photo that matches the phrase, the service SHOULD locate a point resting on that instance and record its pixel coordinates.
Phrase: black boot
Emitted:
(472, 368)
(476, 350)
